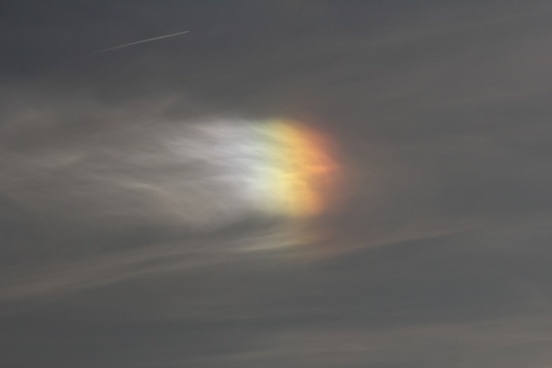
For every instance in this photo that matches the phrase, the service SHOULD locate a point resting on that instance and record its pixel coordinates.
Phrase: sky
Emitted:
(288, 183)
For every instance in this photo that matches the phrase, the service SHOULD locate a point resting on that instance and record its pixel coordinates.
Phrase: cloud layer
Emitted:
(124, 243)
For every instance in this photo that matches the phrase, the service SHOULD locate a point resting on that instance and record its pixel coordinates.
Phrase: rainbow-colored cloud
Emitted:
(298, 173)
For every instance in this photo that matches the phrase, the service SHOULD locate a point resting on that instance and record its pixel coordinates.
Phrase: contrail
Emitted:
(142, 41)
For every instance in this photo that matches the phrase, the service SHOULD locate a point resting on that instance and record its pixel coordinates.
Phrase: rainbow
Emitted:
(279, 169)
(296, 174)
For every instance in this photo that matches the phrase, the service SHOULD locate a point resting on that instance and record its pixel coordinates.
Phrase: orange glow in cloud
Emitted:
(303, 172)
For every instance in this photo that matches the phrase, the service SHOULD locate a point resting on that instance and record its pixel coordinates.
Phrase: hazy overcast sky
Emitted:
(127, 235)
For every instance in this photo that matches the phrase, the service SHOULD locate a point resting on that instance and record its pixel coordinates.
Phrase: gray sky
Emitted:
(127, 235)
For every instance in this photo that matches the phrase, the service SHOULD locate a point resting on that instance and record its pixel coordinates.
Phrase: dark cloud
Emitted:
(124, 238)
